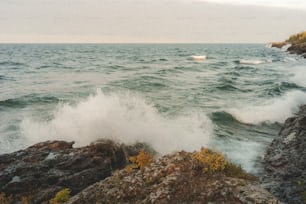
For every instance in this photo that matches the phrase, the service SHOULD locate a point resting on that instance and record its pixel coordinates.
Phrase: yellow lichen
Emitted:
(26, 199)
(211, 161)
(61, 196)
(142, 160)
(5, 199)
(129, 168)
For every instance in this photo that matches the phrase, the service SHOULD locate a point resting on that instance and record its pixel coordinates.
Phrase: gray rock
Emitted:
(299, 48)
(42, 170)
(285, 161)
(175, 178)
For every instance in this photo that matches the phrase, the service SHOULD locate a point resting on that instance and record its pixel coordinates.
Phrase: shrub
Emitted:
(140, 161)
(297, 38)
(211, 161)
(61, 196)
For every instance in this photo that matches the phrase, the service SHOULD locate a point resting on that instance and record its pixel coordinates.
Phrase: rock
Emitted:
(40, 171)
(299, 49)
(278, 44)
(285, 161)
(296, 43)
(295, 48)
(175, 178)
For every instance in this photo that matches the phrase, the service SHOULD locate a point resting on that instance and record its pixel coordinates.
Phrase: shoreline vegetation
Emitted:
(296, 43)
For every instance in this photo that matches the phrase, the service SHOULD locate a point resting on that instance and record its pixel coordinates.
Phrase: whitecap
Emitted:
(269, 45)
(273, 110)
(198, 57)
(252, 62)
(285, 47)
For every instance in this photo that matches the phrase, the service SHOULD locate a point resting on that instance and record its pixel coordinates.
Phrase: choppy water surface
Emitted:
(233, 101)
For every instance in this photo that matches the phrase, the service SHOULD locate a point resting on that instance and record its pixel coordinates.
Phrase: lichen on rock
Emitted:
(177, 178)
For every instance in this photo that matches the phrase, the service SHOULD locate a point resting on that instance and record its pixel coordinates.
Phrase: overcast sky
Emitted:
(161, 21)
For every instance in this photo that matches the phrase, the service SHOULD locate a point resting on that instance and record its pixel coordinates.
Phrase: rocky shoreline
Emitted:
(107, 172)
(299, 48)
(103, 172)
(296, 43)
(176, 178)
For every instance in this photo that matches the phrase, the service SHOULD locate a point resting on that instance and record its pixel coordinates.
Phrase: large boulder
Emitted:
(38, 172)
(178, 178)
(285, 161)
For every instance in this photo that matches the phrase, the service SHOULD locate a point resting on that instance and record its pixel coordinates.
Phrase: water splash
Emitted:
(274, 110)
(122, 117)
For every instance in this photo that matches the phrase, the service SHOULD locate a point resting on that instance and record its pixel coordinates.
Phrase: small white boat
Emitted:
(198, 57)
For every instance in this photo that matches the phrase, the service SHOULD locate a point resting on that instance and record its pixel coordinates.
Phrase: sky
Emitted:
(150, 21)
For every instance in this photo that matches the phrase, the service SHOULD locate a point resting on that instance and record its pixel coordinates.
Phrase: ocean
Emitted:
(234, 101)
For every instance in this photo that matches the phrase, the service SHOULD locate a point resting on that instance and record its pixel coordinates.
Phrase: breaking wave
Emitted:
(253, 62)
(124, 118)
(274, 110)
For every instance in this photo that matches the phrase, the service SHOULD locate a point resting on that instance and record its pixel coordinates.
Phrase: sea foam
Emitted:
(252, 62)
(125, 118)
(298, 75)
(274, 110)
(198, 57)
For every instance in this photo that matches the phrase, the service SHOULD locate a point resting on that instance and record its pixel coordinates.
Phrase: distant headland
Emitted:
(297, 44)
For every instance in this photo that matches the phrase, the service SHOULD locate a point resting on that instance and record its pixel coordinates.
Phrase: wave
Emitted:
(27, 100)
(245, 68)
(228, 87)
(233, 149)
(125, 118)
(269, 45)
(252, 62)
(275, 110)
(298, 76)
(144, 83)
(198, 57)
(223, 117)
(277, 89)
(285, 47)
(10, 63)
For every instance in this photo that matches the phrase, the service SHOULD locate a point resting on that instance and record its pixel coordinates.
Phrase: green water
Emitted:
(234, 101)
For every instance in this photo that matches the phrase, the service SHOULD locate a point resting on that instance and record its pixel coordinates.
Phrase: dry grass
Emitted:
(211, 161)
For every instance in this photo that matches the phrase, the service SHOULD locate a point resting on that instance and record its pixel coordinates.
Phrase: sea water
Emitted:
(233, 100)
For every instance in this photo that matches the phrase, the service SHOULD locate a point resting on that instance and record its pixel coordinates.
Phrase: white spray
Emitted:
(122, 117)
(274, 110)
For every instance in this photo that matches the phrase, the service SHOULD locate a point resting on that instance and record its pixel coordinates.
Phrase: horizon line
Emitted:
(135, 42)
